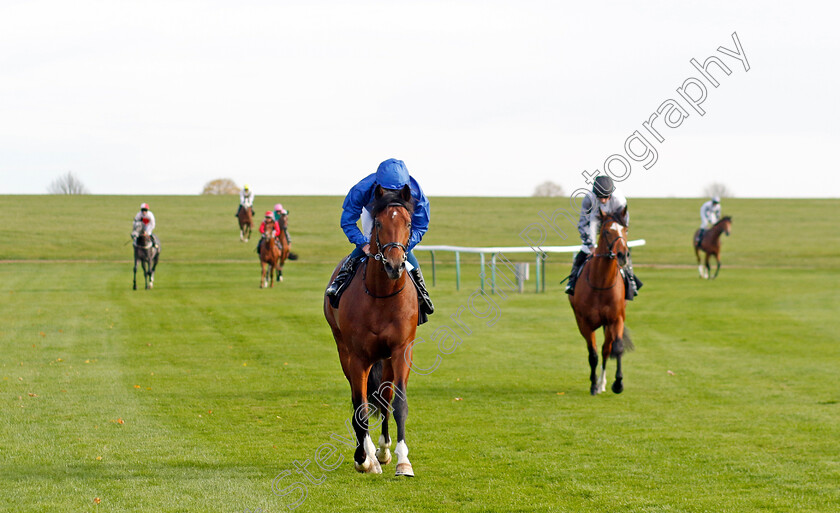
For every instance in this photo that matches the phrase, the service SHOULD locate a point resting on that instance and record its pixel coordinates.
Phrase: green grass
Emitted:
(222, 386)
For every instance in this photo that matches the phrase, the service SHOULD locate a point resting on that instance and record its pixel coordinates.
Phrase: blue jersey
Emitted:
(362, 196)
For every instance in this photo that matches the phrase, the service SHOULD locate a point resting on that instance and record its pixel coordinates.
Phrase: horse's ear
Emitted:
(603, 215)
(378, 192)
(405, 193)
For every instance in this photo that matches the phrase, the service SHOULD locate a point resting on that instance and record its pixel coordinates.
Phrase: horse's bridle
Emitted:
(380, 249)
(612, 256)
(380, 256)
(147, 246)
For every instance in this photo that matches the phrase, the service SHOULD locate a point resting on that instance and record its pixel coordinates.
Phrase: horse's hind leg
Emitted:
(383, 398)
(135, 273)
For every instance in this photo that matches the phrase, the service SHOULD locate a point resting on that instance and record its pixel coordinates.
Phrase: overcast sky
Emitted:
(477, 97)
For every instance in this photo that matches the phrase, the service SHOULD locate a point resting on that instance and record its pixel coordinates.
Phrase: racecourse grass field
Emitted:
(198, 395)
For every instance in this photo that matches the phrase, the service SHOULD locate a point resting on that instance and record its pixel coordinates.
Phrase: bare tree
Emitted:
(549, 190)
(67, 184)
(221, 186)
(718, 189)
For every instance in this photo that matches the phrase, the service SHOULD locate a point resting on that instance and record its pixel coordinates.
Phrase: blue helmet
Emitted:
(392, 174)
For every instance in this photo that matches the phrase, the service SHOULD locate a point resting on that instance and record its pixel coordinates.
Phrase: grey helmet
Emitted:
(715, 199)
(603, 186)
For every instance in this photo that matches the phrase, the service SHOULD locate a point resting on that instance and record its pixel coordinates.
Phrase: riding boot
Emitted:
(424, 302)
(699, 240)
(342, 279)
(288, 237)
(237, 211)
(259, 246)
(155, 241)
(580, 258)
(632, 284)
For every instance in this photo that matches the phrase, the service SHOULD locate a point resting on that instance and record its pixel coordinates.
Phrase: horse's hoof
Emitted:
(364, 467)
(593, 391)
(404, 469)
(375, 468)
(383, 456)
(617, 387)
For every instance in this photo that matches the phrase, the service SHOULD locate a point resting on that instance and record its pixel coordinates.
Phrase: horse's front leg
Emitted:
(364, 457)
(262, 274)
(146, 266)
(707, 270)
(614, 346)
(717, 270)
(135, 271)
(592, 348)
(401, 365)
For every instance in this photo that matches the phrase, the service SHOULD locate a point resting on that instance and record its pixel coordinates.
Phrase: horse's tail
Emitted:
(374, 378)
(374, 382)
(622, 344)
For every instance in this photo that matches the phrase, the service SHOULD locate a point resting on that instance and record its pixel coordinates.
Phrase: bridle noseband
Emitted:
(611, 255)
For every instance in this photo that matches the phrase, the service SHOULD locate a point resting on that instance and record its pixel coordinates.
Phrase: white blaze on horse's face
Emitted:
(617, 228)
(392, 231)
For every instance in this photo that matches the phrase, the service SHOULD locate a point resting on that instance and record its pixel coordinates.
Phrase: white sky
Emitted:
(477, 97)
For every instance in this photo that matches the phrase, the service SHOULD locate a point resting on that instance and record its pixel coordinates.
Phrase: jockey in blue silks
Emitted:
(391, 174)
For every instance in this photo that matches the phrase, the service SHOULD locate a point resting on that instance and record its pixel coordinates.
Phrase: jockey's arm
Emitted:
(352, 210)
(420, 218)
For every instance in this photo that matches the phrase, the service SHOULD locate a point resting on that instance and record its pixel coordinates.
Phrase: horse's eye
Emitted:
(378, 224)
(408, 225)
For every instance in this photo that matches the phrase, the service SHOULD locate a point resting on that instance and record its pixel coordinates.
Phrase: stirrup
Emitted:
(342, 280)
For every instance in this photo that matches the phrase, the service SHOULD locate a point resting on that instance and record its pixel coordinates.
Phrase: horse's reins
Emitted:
(380, 257)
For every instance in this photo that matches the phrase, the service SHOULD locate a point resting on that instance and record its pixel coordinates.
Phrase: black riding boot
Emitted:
(259, 245)
(699, 240)
(424, 302)
(580, 258)
(237, 211)
(342, 279)
(632, 284)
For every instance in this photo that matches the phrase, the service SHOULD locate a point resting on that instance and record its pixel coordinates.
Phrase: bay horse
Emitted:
(599, 301)
(285, 247)
(246, 223)
(711, 246)
(374, 328)
(146, 253)
(270, 256)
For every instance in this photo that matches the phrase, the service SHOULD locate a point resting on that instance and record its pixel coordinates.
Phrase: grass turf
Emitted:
(194, 396)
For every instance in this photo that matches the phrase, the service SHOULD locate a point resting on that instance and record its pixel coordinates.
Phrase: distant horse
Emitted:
(146, 253)
(711, 246)
(246, 222)
(285, 247)
(373, 328)
(269, 257)
(599, 301)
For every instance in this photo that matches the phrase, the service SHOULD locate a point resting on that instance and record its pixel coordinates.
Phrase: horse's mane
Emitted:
(727, 218)
(390, 197)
